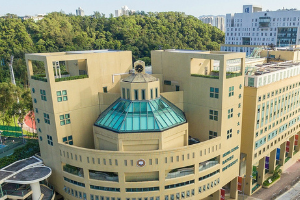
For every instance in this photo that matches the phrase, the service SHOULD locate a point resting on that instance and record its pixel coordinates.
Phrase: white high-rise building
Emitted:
(79, 12)
(257, 28)
(124, 11)
(217, 21)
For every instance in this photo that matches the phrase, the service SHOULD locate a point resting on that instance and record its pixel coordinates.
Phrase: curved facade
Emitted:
(190, 151)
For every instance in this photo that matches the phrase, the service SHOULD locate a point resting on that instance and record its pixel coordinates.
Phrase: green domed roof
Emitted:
(141, 116)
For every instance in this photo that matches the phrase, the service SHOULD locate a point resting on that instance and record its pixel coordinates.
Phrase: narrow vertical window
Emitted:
(156, 92)
(104, 89)
(177, 87)
(143, 95)
(128, 94)
(151, 93)
(123, 93)
(136, 94)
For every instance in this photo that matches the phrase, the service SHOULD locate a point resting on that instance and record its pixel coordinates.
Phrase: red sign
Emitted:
(296, 140)
(287, 148)
(240, 182)
(222, 194)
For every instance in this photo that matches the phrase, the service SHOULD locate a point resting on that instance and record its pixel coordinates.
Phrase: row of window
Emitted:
(75, 193)
(74, 182)
(209, 175)
(279, 91)
(111, 189)
(142, 189)
(61, 95)
(179, 184)
(171, 159)
(275, 142)
(126, 94)
(208, 186)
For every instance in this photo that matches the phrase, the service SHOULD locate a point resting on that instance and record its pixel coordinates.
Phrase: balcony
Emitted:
(179, 172)
(264, 22)
(103, 176)
(207, 164)
(215, 75)
(73, 170)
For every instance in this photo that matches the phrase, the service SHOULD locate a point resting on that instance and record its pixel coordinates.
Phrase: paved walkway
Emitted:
(293, 193)
(286, 180)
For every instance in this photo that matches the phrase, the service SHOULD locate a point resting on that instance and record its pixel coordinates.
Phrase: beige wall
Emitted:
(86, 101)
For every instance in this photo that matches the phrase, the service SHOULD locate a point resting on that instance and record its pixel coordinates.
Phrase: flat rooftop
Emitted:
(273, 67)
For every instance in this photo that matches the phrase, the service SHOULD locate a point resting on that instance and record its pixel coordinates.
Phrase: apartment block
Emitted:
(257, 28)
(270, 120)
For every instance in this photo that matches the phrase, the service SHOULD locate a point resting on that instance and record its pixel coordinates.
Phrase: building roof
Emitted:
(125, 116)
(139, 78)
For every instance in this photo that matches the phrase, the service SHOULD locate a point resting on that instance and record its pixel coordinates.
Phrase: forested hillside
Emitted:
(138, 33)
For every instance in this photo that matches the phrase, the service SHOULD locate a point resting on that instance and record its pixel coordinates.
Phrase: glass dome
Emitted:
(141, 116)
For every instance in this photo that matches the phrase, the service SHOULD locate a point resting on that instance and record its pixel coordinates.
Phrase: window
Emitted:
(212, 134)
(166, 82)
(104, 89)
(33, 90)
(68, 140)
(231, 91)
(64, 119)
(36, 110)
(239, 105)
(229, 133)
(177, 87)
(62, 95)
(136, 94)
(128, 93)
(43, 95)
(143, 95)
(34, 100)
(123, 93)
(213, 115)
(214, 92)
(46, 118)
(230, 113)
(49, 138)
(156, 92)
(151, 93)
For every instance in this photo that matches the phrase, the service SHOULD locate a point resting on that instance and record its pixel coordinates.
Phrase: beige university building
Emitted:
(109, 132)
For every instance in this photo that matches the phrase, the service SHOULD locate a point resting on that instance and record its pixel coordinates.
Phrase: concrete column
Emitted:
(291, 151)
(261, 171)
(248, 179)
(216, 195)
(282, 154)
(36, 190)
(298, 145)
(272, 161)
(233, 188)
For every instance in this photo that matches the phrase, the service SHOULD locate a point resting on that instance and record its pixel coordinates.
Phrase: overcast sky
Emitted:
(190, 7)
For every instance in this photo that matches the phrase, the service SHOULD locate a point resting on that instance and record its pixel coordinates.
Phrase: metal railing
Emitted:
(103, 176)
(208, 164)
(73, 170)
(180, 173)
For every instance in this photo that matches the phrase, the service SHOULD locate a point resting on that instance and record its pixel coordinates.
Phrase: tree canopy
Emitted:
(139, 33)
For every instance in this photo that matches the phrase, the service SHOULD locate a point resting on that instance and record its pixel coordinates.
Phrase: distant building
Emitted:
(35, 18)
(80, 12)
(256, 28)
(217, 21)
(124, 11)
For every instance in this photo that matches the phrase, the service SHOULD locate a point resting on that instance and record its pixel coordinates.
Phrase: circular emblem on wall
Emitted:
(141, 163)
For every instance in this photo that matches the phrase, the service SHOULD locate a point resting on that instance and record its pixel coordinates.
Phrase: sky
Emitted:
(190, 7)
